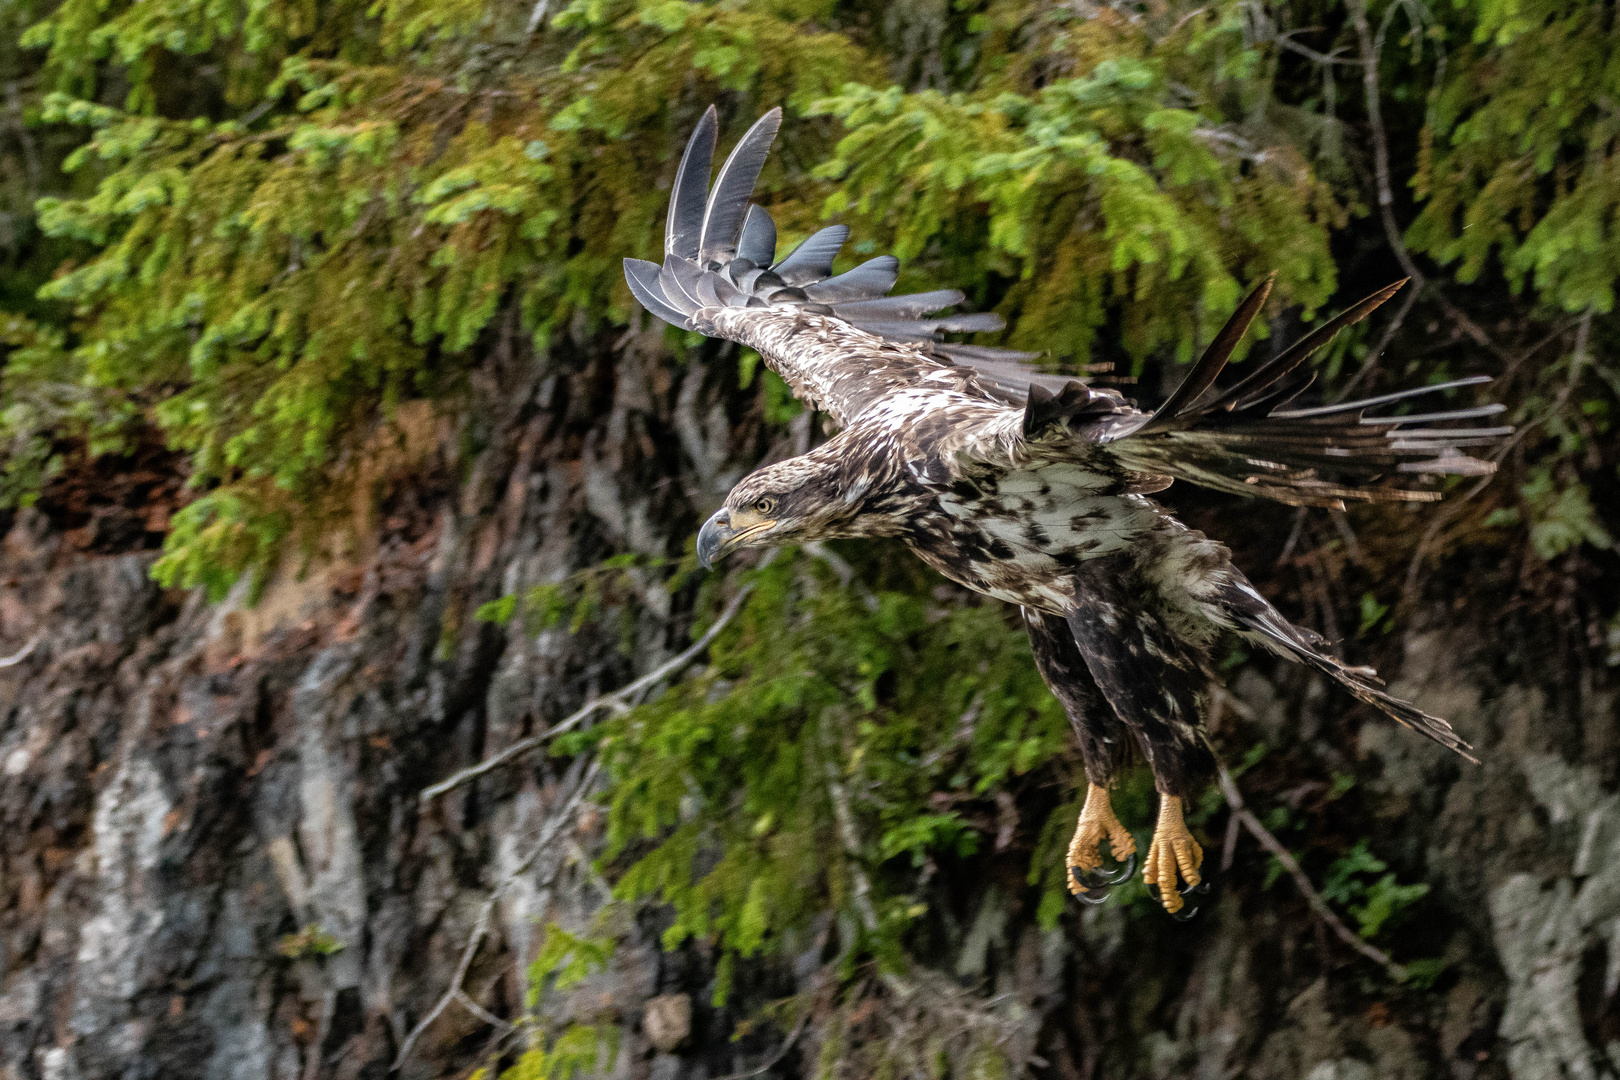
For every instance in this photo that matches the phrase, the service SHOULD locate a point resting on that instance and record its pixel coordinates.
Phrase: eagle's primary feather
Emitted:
(1034, 488)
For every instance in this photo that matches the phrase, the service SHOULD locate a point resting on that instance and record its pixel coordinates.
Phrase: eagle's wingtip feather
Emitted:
(642, 277)
(728, 199)
(1209, 365)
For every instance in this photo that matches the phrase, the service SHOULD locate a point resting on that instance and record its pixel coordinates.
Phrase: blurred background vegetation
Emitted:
(244, 242)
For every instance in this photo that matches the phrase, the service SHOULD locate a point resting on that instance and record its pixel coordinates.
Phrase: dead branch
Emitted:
(21, 654)
(1370, 48)
(1326, 914)
(457, 992)
(1293, 537)
(848, 834)
(850, 840)
(619, 700)
(781, 1052)
(1414, 569)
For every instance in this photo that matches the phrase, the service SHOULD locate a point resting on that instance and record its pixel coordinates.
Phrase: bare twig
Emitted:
(781, 1052)
(1229, 843)
(1414, 569)
(1577, 360)
(1326, 914)
(844, 571)
(849, 835)
(247, 119)
(850, 840)
(21, 654)
(1286, 41)
(619, 699)
(1222, 699)
(456, 992)
(1370, 48)
(1293, 536)
(480, 928)
(835, 562)
(1318, 577)
(1352, 546)
(466, 1002)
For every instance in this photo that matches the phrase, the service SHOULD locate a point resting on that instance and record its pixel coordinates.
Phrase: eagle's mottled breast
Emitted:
(1014, 535)
(1020, 540)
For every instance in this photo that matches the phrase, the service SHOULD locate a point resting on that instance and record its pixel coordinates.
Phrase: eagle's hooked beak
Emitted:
(721, 533)
(713, 538)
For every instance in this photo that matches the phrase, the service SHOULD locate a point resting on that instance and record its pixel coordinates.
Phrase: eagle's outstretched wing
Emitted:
(841, 342)
(844, 345)
(1242, 440)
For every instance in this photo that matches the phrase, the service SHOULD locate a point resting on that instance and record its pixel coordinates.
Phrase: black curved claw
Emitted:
(1094, 879)
(1091, 892)
(1092, 896)
(1126, 871)
(1090, 879)
(1187, 913)
(1191, 896)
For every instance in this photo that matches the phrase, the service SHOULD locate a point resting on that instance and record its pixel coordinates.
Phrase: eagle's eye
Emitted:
(765, 505)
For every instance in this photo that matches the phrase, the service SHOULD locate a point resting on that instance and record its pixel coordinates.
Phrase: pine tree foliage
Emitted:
(844, 748)
(1520, 160)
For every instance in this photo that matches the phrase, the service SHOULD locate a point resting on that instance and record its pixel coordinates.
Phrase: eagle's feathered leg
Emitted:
(1151, 664)
(1104, 746)
(1172, 851)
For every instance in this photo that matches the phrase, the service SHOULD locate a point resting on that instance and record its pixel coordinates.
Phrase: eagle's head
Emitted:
(800, 499)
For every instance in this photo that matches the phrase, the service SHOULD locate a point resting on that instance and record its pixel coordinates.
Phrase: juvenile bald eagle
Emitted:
(1034, 488)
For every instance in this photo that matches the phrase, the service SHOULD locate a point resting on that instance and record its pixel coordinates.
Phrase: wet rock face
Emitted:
(214, 862)
(1549, 932)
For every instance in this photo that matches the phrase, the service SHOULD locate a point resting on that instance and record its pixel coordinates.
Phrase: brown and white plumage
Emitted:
(1034, 488)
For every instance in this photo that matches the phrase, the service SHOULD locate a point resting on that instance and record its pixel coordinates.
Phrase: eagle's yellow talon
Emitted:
(1173, 852)
(1097, 823)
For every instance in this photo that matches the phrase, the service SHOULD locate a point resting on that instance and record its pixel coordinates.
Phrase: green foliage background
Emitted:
(278, 222)
(252, 232)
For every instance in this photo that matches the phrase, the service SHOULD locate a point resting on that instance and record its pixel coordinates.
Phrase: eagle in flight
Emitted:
(1035, 488)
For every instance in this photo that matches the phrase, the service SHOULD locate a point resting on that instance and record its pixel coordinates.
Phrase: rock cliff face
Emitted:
(215, 863)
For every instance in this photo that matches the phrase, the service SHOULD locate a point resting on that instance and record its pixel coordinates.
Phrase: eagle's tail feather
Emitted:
(1263, 624)
(720, 251)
